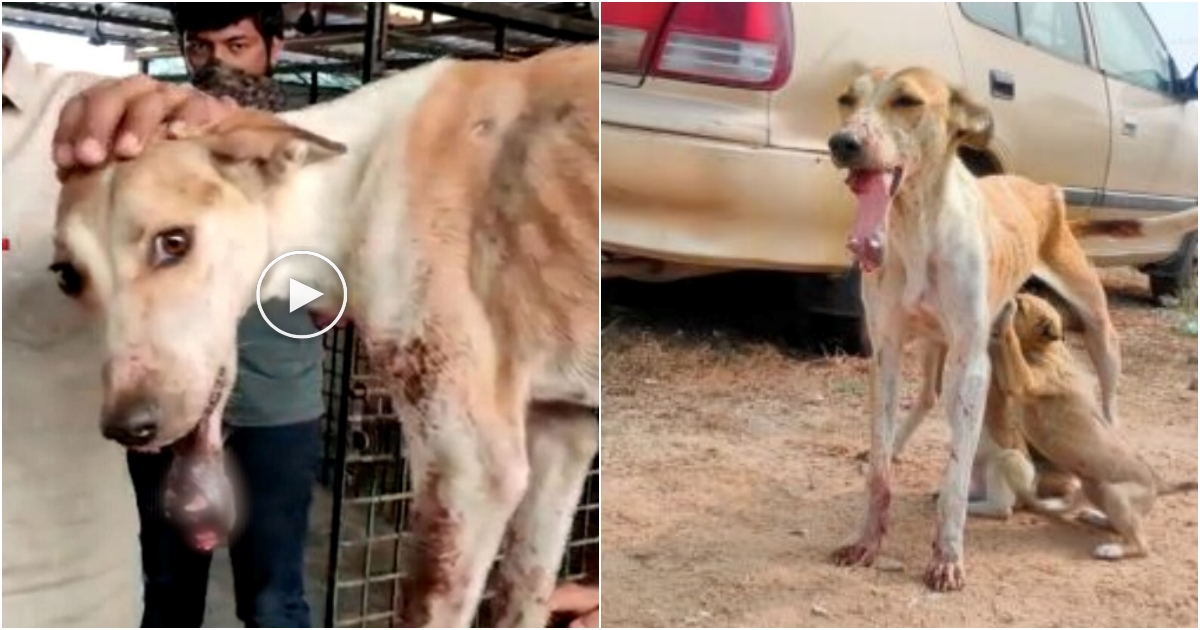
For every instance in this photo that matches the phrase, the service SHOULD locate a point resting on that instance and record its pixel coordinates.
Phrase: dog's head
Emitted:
(898, 130)
(168, 249)
(1036, 322)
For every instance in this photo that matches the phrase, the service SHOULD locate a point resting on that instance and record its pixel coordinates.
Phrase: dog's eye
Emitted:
(847, 100)
(170, 246)
(70, 281)
(906, 101)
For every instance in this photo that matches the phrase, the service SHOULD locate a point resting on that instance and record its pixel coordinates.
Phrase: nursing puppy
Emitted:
(1060, 416)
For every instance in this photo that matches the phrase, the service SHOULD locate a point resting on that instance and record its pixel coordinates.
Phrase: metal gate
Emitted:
(364, 468)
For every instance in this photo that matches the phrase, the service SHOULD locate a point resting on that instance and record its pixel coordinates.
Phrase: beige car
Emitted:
(715, 120)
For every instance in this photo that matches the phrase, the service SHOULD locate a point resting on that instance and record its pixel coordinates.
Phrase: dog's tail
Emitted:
(1173, 488)
(1171, 225)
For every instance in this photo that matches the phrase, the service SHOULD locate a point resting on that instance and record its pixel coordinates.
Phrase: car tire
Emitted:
(1174, 278)
(830, 313)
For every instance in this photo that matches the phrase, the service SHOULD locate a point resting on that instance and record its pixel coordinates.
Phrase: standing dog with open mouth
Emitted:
(460, 200)
(940, 252)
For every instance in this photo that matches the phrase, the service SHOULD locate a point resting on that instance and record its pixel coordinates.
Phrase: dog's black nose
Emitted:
(844, 147)
(132, 420)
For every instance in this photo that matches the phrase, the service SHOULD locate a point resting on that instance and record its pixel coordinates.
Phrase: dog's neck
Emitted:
(328, 207)
(922, 197)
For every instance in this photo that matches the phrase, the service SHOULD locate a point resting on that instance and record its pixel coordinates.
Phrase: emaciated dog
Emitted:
(460, 201)
(940, 252)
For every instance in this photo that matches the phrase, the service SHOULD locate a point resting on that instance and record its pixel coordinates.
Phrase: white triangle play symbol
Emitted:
(300, 294)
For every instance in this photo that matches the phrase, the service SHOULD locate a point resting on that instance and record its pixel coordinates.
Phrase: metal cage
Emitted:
(366, 472)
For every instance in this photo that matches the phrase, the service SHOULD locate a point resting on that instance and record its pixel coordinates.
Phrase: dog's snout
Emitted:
(845, 147)
(133, 420)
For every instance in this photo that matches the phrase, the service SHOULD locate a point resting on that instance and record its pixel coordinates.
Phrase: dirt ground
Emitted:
(729, 477)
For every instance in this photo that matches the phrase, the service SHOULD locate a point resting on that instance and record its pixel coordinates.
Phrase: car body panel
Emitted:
(728, 178)
(1055, 128)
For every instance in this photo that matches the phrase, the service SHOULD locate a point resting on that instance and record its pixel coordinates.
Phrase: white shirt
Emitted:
(71, 556)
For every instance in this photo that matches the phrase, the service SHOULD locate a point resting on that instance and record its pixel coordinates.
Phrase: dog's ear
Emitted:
(1050, 329)
(271, 146)
(970, 123)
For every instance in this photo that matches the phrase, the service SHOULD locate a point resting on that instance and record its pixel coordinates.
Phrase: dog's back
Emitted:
(511, 200)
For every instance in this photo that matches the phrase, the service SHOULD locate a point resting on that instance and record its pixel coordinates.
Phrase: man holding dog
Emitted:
(62, 487)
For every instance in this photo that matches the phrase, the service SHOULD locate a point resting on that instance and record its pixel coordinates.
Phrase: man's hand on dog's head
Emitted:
(117, 117)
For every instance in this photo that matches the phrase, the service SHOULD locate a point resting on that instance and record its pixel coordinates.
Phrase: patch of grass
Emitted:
(849, 388)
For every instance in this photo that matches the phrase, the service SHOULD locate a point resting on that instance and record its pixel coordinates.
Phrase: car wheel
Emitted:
(829, 310)
(1175, 279)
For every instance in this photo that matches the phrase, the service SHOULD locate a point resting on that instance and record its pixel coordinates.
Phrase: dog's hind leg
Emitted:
(562, 441)
(932, 356)
(1067, 270)
(1123, 504)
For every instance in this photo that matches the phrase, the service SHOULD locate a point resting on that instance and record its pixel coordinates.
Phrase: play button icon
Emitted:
(279, 278)
(300, 294)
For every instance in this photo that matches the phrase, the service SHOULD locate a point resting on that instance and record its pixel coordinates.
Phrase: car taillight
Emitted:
(629, 33)
(740, 44)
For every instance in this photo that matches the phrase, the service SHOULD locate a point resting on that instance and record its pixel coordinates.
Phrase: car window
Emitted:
(998, 16)
(1129, 46)
(1055, 27)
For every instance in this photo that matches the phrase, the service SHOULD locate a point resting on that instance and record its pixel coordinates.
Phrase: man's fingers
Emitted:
(105, 109)
(70, 119)
(574, 598)
(144, 117)
(590, 620)
(198, 110)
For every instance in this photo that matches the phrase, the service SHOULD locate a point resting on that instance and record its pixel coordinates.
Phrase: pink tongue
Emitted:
(871, 188)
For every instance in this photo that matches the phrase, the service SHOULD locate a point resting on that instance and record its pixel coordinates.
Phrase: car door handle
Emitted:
(1003, 84)
(1129, 126)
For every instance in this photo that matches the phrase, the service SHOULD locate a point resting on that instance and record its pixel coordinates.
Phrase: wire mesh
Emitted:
(372, 490)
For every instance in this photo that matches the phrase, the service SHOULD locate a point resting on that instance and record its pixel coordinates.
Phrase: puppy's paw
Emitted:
(1108, 551)
(1094, 518)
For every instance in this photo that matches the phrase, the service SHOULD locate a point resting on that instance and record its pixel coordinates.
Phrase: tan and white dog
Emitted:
(940, 252)
(460, 201)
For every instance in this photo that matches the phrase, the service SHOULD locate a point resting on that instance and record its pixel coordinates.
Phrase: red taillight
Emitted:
(741, 44)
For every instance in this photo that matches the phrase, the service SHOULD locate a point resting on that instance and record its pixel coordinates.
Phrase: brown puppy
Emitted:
(1059, 416)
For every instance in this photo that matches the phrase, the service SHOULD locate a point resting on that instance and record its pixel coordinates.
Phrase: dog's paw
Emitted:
(1108, 551)
(945, 575)
(1094, 518)
(857, 554)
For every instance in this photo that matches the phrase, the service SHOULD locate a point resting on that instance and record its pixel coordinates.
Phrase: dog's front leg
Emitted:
(562, 440)
(466, 450)
(968, 370)
(887, 337)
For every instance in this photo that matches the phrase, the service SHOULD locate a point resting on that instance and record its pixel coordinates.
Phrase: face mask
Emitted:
(247, 90)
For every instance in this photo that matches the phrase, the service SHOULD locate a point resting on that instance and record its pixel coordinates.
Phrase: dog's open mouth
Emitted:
(874, 190)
